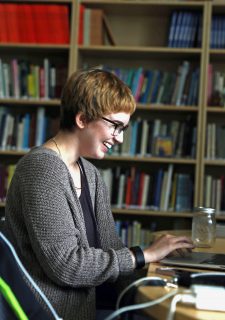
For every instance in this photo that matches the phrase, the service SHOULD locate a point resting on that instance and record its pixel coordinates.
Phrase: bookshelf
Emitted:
(212, 157)
(139, 42)
(32, 71)
(149, 50)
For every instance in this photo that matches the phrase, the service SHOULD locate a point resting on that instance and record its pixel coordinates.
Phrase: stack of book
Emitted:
(147, 138)
(94, 27)
(133, 234)
(23, 131)
(217, 36)
(22, 79)
(185, 29)
(214, 192)
(162, 87)
(34, 23)
(163, 190)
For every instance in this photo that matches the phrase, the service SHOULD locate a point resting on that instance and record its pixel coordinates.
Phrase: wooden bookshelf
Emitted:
(212, 164)
(59, 55)
(134, 25)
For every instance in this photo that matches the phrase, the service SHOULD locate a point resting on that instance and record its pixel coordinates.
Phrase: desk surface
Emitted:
(183, 312)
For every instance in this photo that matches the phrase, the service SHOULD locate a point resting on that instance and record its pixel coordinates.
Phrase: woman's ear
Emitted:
(80, 120)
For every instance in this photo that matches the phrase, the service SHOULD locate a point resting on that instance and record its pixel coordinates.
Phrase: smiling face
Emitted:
(97, 137)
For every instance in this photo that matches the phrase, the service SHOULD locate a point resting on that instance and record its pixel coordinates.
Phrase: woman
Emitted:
(58, 212)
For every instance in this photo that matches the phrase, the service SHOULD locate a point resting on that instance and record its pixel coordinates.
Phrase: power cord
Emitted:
(156, 281)
(185, 297)
(202, 287)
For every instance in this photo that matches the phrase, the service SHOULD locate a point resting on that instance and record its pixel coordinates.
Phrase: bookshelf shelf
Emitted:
(31, 46)
(33, 102)
(139, 50)
(150, 159)
(216, 162)
(170, 108)
(216, 110)
(12, 153)
(143, 212)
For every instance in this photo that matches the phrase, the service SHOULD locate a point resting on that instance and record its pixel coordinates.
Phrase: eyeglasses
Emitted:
(117, 127)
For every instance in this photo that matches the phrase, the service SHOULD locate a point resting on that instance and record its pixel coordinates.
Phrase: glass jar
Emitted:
(204, 227)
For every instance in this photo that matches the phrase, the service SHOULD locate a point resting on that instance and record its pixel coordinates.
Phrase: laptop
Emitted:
(200, 260)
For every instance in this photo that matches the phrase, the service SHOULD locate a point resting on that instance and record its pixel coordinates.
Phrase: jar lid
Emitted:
(204, 210)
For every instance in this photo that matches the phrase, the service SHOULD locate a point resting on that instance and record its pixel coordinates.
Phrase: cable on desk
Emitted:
(202, 286)
(185, 297)
(155, 281)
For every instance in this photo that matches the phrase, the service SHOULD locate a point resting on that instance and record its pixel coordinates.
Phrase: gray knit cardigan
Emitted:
(45, 223)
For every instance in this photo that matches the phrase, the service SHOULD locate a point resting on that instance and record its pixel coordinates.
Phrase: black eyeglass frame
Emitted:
(118, 127)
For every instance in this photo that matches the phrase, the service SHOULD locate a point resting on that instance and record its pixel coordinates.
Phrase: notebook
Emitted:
(200, 260)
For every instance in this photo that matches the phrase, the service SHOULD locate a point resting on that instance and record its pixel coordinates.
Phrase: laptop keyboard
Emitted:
(218, 259)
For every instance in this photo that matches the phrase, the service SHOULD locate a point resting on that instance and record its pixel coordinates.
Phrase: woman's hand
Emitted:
(165, 245)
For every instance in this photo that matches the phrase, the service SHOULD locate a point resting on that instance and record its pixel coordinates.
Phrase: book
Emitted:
(156, 87)
(86, 26)
(148, 76)
(193, 29)
(184, 35)
(162, 87)
(173, 22)
(26, 131)
(163, 146)
(209, 83)
(178, 25)
(3, 24)
(19, 136)
(108, 31)
(121, 191)
(40, 126)
(6, 127)
(157, 188)
(181, 82)
(144, 198)
(134, 129)
(155, 133)
(26, 26)
(183, 192)
(139, 136)
(10, 132)
(163, 190)
(168, 187)
(81, 24)
(137, 76)
(11, 12)
(176, 85)
(93, 27)
(61, 24)
(125, 147)
(41, 23)
(10, 172)
(144, 138)
(15, 78)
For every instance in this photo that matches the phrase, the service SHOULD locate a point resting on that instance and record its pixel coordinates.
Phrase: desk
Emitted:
(183, 312)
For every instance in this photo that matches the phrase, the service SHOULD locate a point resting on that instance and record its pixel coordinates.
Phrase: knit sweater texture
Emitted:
(45, 223)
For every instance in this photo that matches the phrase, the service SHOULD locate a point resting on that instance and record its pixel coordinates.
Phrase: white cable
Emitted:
(180, 297)
(141, 305)
(135, 283)
(26, 274)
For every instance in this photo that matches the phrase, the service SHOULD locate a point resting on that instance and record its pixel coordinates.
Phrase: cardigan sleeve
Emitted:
(54, 222)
